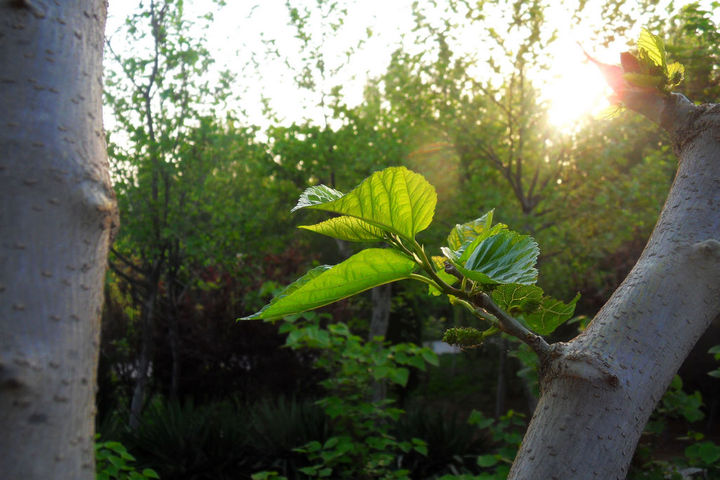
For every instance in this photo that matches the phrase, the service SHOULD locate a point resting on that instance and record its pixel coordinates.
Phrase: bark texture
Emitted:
(57, 212)
(599, 389)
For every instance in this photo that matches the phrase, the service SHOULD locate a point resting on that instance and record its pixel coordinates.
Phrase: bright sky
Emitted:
(573, 86)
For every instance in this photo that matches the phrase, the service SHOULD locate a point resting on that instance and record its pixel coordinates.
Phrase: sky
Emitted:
(572, 86)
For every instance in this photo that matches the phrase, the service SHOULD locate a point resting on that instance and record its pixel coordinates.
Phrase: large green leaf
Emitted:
(504, 257)
(652, 47)
(550, 314)
(395, 199)
(467, 232)
(347, 228)
(323, 285)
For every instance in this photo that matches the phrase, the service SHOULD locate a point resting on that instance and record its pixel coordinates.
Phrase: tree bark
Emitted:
(57, 214)
(599, 389)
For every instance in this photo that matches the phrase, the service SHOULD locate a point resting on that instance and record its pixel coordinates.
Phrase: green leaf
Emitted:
(467, 232)
(346, 228)
(290, 289)
(653, 47)
(399, 376)
(675, 74)
(514, 298)
(316, 195)
(487, 460)
(550, 314)
(478, 419)
(321, 286)
(708, 452)
(395, 199)
(430, 357)
(505, 257)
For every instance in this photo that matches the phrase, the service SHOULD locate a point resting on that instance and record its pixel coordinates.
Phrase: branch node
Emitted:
(709, 248)
(580, 365)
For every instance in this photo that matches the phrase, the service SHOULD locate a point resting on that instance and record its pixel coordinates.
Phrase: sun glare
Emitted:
(577, 89)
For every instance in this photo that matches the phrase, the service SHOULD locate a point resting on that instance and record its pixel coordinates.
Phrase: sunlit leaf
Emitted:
(675, 74)
(347, 228)
(468, 248)
(550, 314)
(395, 199)
(652, 46)
(461, 234)
(316, 195)
(505, 257)
(323, 285)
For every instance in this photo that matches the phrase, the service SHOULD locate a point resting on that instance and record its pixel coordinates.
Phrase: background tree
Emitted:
(56, 216)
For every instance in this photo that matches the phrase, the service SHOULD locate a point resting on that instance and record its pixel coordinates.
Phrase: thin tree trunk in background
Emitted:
(381, 303)
(147, 329)
(501, 388)
(57, 214)
(380, 318)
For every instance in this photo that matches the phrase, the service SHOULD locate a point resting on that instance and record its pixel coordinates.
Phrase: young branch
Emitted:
(512, 326)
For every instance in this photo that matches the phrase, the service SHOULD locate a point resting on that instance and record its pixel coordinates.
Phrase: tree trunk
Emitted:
(501, 387)
(147, 350)
(381, 303)
(599, 389)
(57, 212)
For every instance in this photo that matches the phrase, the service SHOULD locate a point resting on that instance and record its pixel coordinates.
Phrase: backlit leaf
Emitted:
(462, 234)
(316, 195)
(324, 285)
(675, 74)
(395, 199)
(654, 47)
(346, 228)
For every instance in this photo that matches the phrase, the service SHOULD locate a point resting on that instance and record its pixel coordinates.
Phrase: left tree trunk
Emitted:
(57, 212)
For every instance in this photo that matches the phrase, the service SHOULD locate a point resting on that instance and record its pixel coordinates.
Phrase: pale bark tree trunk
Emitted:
(57, 212)
(599, 389)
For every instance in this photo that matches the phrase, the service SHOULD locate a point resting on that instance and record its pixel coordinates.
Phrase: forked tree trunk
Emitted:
(599, 389)
(57, 211)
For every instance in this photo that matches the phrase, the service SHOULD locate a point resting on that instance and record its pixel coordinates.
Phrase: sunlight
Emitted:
(576, 90)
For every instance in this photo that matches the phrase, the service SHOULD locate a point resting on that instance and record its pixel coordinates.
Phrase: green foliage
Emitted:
(394, 200)
(325, 284)
(699, 453)
(676, 404)
(362, 446)
(649, 69)
(394, 205)
(113, 462)
(453, 445)
(506, 435)
(715, 351)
